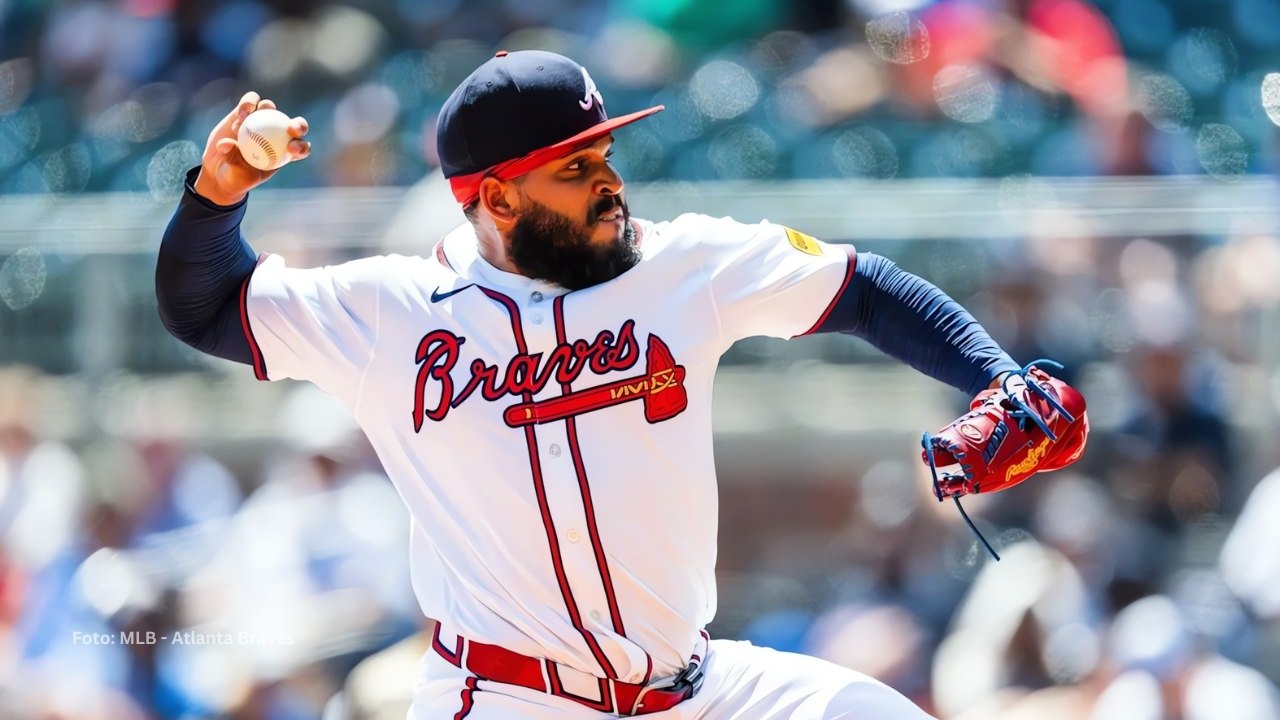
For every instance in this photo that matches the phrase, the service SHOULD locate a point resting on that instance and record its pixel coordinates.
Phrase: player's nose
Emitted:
(609, 182)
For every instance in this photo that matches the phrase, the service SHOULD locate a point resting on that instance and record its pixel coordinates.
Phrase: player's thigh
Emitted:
(745, 682)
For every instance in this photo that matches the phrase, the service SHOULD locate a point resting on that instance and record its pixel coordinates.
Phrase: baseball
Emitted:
(264, 139)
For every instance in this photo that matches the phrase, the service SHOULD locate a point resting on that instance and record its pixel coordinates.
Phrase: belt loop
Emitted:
(466, 650)
(545, 667)
(635, 706)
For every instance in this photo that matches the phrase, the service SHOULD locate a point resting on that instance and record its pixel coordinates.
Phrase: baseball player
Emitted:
(538, 387)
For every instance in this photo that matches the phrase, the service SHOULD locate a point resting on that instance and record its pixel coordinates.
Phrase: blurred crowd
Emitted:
(114, 95)
(141, 578)
(264, 575)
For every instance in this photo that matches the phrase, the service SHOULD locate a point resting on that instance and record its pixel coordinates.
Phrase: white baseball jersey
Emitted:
(554, 448)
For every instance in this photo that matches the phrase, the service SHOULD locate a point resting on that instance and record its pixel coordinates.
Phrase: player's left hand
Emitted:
(1031, 423)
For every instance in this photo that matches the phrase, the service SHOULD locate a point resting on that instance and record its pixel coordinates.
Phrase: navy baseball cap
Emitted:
(517, 111)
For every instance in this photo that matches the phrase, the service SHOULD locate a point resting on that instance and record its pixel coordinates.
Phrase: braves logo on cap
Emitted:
(476, 139)
(592, 93)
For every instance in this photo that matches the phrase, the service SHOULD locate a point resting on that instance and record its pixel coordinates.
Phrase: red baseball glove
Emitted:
(1032, 423)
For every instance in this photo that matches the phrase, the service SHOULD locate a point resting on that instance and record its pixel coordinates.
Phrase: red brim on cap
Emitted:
(466, 188)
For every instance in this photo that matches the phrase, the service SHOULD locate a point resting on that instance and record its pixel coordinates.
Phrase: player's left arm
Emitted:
(768, 279)
(914, 321)
(1021, 421)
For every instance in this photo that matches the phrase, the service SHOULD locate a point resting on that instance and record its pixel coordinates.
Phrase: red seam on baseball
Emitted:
(262, 143)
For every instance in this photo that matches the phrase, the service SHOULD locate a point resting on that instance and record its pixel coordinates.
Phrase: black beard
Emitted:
(549, 246)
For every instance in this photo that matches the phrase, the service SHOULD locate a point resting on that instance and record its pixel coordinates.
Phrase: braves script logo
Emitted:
(660, 386)
(591, 95)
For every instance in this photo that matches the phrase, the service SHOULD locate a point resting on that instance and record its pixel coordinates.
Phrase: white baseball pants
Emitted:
(743, 682)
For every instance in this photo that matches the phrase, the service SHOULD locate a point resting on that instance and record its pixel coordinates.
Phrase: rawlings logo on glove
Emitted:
(1034, 422)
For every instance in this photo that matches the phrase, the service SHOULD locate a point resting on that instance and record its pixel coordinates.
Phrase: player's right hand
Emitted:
(225, 178)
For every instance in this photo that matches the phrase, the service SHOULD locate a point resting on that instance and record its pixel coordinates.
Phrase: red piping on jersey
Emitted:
(468, 698)
(454, 657)
(604, 704)
(444, 259)
(705, 636)
(848, 276)
(531, 442)
(584, 487)
(639, 231)
(259, 365)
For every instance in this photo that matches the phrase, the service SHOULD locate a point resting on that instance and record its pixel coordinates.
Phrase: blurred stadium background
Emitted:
(1093, 180)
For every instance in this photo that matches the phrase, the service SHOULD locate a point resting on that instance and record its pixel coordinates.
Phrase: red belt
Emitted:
(498, 664)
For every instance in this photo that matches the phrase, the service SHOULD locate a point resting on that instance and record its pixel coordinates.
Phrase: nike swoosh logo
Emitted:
(437, 296)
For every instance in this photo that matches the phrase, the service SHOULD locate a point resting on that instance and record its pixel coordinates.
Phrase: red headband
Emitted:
(466, 188)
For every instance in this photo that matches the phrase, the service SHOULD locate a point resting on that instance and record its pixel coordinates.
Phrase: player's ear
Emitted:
(495, 198)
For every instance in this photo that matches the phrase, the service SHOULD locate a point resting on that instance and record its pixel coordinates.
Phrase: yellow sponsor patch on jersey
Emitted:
(803, 243)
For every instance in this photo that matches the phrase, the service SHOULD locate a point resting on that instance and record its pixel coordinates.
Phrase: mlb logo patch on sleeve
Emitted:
(803, 243)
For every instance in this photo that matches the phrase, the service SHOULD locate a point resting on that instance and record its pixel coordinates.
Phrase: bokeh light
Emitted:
(1222, 151)
(22, 278)
(67, 169)
(1164, 101)
(864, 152)
(17, 77)
(723, 90)
(899, 38)
(966, 94)
(167, 169)
(1203, 59)
(365, 114)
(743, 152)
(19, 135)
(1271, 96)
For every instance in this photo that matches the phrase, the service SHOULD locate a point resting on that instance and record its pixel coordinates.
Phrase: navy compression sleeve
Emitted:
(909, 318)
(203, 263)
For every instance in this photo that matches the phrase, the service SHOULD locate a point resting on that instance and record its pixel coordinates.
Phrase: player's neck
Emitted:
(493, 249)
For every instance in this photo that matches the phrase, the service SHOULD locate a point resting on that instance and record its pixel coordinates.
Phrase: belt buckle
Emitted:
(689, 679)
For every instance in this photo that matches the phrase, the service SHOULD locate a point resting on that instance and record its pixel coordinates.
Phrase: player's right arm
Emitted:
(204, 260)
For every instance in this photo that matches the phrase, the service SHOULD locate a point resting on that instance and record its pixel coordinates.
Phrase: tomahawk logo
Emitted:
(592, 95)
(660, 387)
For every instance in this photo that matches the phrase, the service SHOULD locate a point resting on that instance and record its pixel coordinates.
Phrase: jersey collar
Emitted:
(461, 251)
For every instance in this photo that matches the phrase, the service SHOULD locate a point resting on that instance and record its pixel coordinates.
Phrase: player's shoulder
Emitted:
(693, 231)
(368, 273)
(391, 269)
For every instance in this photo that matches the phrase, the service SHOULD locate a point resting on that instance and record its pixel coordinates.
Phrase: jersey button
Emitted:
(554, 450)
(573, 535)
(536, 318)
(536, 296)
(595, 614)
